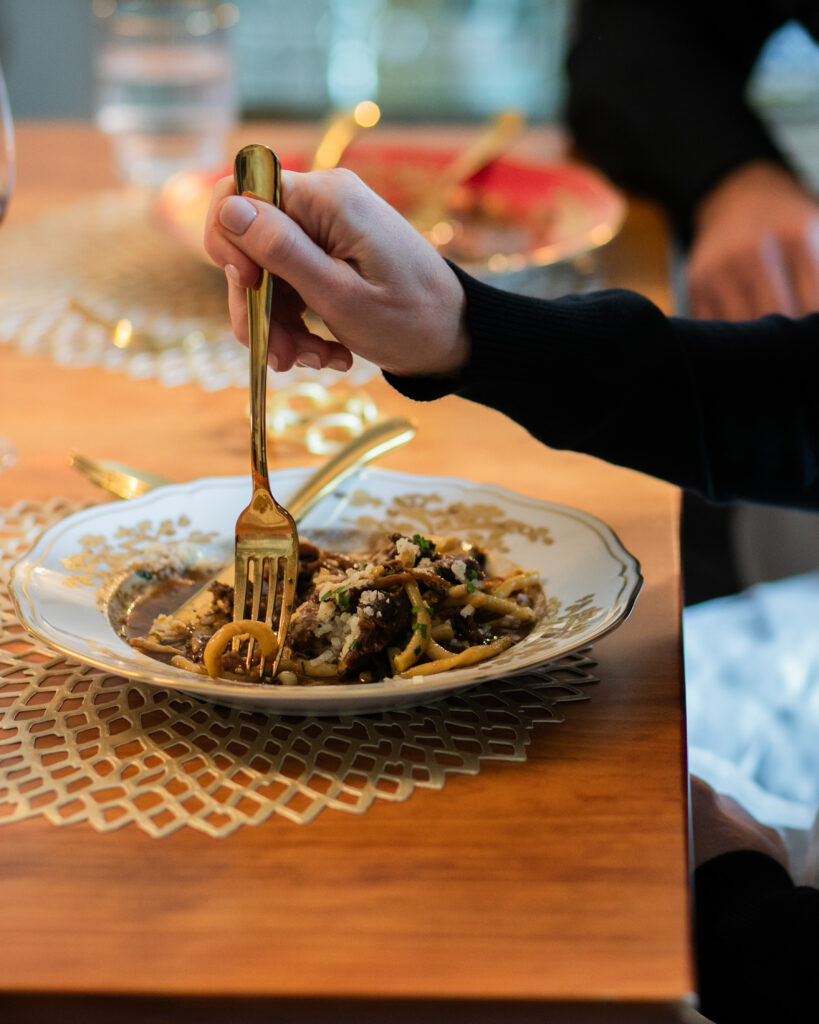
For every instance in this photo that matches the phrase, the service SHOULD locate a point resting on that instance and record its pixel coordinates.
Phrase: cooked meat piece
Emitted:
(334, 562)
(222, 597)
(308, 552)
(233, 661)
(452, 566)
(389, 619)
(470, 569)
(309, 562)
(196, 646)
(431, 580)
(302, 634)
(466, 629)
(390, 581)
(391, 565)
(389, 553)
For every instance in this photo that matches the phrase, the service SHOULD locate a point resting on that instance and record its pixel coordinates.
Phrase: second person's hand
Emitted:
(756, 247)
(381, 289)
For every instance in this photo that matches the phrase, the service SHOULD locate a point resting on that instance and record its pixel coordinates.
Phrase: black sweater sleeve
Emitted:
(757, 941)
(656, 93)
(725, 409)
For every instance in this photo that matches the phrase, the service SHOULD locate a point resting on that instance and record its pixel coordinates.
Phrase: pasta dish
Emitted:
(412, 607)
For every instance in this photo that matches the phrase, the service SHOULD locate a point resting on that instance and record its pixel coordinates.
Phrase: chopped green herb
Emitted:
(418, 608)
(343, 600)
(144, 574)
(354, 644)
(471, 574)
(422, 629)
(470, 587)
(422, 542)
(417, 650)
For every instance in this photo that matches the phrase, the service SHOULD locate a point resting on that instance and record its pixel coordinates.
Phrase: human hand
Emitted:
(721, 825)
(755, 248)
(337, 247)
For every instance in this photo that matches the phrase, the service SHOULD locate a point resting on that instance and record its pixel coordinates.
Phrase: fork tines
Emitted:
(264, 588)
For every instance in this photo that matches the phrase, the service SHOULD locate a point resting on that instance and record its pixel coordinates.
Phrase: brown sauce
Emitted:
(161, 598)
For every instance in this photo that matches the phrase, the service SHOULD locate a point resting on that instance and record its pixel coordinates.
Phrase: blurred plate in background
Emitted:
(511, 216)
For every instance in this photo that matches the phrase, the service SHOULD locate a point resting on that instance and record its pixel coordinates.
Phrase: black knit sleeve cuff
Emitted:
(483, 317)
(516, 339)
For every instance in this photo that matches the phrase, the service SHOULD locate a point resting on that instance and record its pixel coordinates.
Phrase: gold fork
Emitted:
(267, 544)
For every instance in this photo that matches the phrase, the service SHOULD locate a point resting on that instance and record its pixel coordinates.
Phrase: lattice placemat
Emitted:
(81, 745)
(100, 283)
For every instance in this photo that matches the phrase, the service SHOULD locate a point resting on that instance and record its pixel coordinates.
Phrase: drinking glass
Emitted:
(8, 453)
(165, 85)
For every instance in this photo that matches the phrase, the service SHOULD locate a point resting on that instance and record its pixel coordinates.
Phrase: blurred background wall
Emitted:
(46, 50)
(440, 59)
(420, 59)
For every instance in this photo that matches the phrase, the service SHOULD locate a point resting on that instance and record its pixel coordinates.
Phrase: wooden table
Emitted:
(555, 889)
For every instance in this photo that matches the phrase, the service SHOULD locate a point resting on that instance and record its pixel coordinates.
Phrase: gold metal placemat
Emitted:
(81, 745)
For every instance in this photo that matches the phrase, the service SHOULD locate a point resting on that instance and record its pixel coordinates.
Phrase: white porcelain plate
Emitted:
(66, 587)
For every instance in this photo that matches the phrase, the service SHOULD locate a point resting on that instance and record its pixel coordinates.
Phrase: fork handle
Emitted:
(257, 173)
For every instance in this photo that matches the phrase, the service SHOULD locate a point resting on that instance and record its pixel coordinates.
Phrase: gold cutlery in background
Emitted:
(125, 481)
(340, 131)
(115, 477)
(433, 208)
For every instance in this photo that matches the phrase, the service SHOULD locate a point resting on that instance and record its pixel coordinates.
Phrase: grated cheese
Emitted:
(458, 567)
(407, 552)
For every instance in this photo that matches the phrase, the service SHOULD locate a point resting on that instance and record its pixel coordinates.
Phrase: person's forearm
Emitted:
(656, 94)
(726, 409)
(712, 407)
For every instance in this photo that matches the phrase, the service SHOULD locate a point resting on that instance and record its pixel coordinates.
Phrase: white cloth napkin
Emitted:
(752, 683)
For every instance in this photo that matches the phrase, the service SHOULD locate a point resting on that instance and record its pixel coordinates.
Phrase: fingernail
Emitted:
(310, 359)
(337, 364)
(273, 361)
(237, 214)
(232, 273)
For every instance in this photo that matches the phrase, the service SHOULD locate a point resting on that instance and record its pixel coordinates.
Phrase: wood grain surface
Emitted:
(554, 889)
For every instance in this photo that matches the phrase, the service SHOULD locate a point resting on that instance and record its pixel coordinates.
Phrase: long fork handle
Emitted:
(257, 173)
